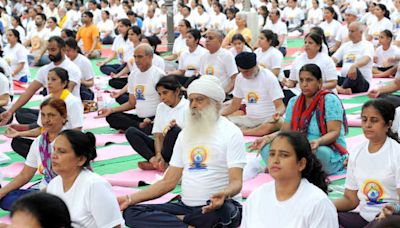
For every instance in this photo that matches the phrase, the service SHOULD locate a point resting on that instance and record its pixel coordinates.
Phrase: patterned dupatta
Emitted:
(301, 117)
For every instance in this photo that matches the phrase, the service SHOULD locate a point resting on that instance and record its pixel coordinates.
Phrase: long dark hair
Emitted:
(313, 171)
(317, 38)
(386, 12)
(240, 37)
(16, 34)
(271, 37)
(332, 10)
(386, 110)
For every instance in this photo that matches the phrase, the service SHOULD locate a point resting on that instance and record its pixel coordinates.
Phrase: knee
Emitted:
(112, 118)
(131, 215)
(131, 133)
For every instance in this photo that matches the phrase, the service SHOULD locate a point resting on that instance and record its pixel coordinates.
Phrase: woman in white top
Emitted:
(267, 55)
(315, 15)
(106, 28)
(384, 55)
(383, 22)
(180, 41)
(54, 116)
(16, 55)
(189, 64)
(230, 22)
(238, 45)
(202, 20)
(218, 18)
(373, 174)
(168, 122)
(313, 54)
(297, 197)
(16, 24)
(88, 196)
(369, 17)
(53, 27)
(330, 26)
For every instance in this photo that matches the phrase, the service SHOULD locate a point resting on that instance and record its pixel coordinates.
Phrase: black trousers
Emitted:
(144, 145)
(27, 115)
(122, 121)
(358, 85)
(86, 93)
(394, 99)
(21, 146)
(118, 83)
(123, 98)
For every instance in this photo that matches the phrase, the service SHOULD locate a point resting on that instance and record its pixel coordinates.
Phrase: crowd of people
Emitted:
(224, 79)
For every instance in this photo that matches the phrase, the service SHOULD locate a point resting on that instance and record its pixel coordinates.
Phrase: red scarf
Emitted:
(301, 117)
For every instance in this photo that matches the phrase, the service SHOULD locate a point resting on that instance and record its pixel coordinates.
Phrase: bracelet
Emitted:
(128, 197)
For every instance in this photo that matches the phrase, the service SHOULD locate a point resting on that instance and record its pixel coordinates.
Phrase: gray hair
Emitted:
(242, 15)
(358, 25)
(148, 50)
(218, 33)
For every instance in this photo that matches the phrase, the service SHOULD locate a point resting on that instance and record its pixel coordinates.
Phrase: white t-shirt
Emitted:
(74, 112)
(259, 93)
(377, 27)
(106, 26)
(120, 46)
(309, 207)
(229, 25)
(269, 59)
(235, 53)
(150, 26)
(350, 53)
(21, 33)
(217, 21)
(293, 16)
(189, 61)
(74, 74)
(165, 114)
(375, 176)
(383, 55)
(179, 46)
(142, 86)
(315, 16)
(206, 161)
(38, 38)
(14, 56)
(7, 73)
(55, 32)
(330, 31)
(395, 17)
(220, 64)
(85, 66)
(5, 89)
(343, 34)
(90, 201)
(279, 28)
(324, 62)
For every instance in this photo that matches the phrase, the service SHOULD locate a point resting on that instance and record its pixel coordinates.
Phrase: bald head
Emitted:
(143, 56)
(355, 31)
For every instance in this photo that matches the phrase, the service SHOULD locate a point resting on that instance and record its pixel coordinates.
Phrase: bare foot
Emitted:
(341, 90)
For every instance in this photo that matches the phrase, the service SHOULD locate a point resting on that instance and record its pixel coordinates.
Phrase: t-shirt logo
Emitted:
(327, 34)
(8, 60)
(252, 97)
(139, 92)
(350, 58)
(374, 192)
(35, 42)
(120, 53)
(210, 70)
(198, 158)
(397, 23)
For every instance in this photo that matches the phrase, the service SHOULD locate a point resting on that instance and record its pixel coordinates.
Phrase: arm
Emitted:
(88, 83)
(124, 71)
(96, 39)
(330, 137)
(290, 83)
(25, 97)
(131, 104)
(348, 202)
(233, 188)
(29, 133)
(21, 179)
(178, 72)
(330, 84)
(352, 73)
(281, 39)
(27, 42)
(4, 99)
(108, 59)
(19, 67)
(234, 106)
(71, 86)
(231, 84)
(276, 71)
(337, 45)
(160, 188)
(44, 48)
(158, 143)
(171, 57)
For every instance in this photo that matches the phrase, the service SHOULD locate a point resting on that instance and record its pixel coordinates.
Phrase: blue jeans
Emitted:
(7, 201)
(42, 61)
(165, 215)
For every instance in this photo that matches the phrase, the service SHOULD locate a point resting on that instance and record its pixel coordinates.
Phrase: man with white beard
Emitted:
(209, 157)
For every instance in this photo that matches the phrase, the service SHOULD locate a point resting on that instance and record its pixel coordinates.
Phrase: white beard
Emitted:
(201, 123)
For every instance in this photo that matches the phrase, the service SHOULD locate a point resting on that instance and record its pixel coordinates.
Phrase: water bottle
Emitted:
(100, 101)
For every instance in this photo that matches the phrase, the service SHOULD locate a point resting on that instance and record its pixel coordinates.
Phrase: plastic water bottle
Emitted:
(100, 100)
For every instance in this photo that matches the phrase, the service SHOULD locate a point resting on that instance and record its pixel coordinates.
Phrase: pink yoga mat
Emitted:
(250, 185)
(336, 177)
(131, 178)
(12, 170)
(90, 123)
(101, 140)
(114, 151)
(5, 219)
(342, 96)
(250, 138)
(120, 191)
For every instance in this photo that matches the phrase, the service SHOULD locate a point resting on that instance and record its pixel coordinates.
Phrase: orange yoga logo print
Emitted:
(210, 70)
(374, 192)
(139, 92)
(252, 97)
(198, 158)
